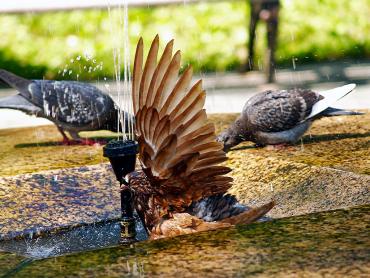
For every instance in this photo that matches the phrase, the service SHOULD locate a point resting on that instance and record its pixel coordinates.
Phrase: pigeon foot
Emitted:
(278, 147)
(83, 142)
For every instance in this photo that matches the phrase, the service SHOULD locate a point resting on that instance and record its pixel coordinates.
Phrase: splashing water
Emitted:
(120, 40)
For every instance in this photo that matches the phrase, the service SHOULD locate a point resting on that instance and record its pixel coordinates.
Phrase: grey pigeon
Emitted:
(282, 117)
(73, 106)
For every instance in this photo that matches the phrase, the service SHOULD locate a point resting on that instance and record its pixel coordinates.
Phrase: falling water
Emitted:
(121, 47)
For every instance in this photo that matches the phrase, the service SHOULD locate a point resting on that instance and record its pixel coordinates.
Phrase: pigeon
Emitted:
(181, 186)
(72, 106)
(281, 117)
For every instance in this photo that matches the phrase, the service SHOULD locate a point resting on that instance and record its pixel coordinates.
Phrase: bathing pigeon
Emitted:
(282, 117)
(72, 106)
(179, 155)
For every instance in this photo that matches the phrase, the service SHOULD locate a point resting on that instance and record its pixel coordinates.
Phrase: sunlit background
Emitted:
(211, 35)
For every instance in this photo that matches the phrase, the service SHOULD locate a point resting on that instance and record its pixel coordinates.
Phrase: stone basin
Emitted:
(47, 188)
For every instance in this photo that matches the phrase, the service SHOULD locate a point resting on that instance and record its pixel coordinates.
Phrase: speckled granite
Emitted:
(32, 203)
(297, 188)
(328, 244)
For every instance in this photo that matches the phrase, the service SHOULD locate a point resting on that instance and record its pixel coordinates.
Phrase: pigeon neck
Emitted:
(241, 129)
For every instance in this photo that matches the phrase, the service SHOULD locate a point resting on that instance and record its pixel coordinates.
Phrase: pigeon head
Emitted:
(113, 119)
(229, 139)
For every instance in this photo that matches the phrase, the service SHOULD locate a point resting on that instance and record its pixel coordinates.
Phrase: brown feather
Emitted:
(210, 161)
(250, 215)
(210, 171)
(153, 124)
(163, 123)
(206, 129)
(141, 124)
(190, 111)
(162, 136)
(138, 64)
(159, 72)
(187, 100)
(193, 124)
(149, 68)
(178, 92)
(147, 123)
(196, 141)
(168, 81)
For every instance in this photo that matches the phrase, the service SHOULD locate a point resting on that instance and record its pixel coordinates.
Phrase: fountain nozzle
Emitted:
(122, 157)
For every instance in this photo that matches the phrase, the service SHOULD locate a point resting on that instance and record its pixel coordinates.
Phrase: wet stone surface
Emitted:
(330, 244)
(9, 262)
(29, 150)
(297, 188)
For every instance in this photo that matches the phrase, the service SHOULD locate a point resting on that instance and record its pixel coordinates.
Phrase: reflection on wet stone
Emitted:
(333, 243)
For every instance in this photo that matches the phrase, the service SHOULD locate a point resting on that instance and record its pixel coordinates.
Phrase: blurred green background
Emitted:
(212, 36)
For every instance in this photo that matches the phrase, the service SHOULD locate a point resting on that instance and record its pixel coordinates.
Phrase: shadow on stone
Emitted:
(329, 137)
(59, 143)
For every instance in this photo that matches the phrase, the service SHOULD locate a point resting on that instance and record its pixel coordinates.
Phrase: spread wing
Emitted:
(177, 147)
(274, 111)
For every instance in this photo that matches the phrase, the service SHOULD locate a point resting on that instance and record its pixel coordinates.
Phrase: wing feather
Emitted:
(187, 100)
(178, 150)
(178, 92)
(159, 72)
(138, 64)
(168, 81)
(149, 68)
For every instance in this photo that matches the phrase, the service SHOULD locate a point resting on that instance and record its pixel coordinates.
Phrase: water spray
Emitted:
(122, 152)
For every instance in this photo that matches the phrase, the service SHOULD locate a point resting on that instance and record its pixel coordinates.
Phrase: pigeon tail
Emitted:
(216, 207)
(330, 97)
(331, 111)
(250, 216)
(19, 103)
(15, 81)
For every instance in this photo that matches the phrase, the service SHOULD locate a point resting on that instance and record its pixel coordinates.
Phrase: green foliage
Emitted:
(212, 36)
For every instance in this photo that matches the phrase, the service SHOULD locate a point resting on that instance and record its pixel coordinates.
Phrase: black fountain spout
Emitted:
(122, 156)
